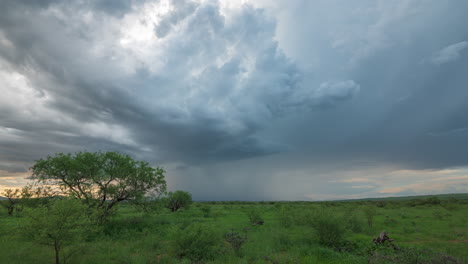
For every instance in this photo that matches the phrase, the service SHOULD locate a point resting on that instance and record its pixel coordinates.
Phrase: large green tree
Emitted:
(100, 179)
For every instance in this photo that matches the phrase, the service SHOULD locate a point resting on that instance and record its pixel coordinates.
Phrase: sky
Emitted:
(243, 100)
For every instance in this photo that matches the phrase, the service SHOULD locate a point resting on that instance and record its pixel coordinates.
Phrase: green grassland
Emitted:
(426, 230)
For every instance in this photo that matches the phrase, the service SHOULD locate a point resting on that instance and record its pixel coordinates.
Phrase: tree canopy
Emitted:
(59, 224)
(100, 179)
(177, 200)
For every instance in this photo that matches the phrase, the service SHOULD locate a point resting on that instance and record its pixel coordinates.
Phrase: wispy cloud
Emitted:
(449, 53)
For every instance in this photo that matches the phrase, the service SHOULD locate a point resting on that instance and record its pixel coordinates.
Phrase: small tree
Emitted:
(58, 225)
(177, 200)
(13, 200)
(32, 196)
(100, 179)
(17, 199)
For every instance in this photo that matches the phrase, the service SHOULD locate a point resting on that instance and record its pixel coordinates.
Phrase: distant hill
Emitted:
(460, 196)
(2, 198)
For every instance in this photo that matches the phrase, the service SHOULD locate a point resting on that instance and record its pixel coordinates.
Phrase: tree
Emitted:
(26, 196)
(58, 225)
(33, 196)
(13, 200)
(100, 179)
(177, 200)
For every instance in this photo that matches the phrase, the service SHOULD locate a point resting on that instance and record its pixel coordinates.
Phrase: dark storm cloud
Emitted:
(238, 101)
(410, 61)
(216, 81)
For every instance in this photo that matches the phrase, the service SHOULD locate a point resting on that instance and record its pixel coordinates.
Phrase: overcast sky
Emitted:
(243, 100)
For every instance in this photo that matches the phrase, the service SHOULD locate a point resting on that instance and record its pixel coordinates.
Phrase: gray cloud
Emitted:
(202, 81)
(238, 100)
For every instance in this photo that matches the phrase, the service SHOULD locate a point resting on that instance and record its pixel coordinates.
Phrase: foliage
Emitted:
(236, 240)
(17, 199)
(255, 216)
(58, 224)
(206, 210)
(177, 200)
(410, 255)
(13, 200)
(433, 200)
(353, 222)
(196, 242)
(370, 212)
(99, 179)
(149, 204)
(329, 227)
(286, 216)
(130, 236)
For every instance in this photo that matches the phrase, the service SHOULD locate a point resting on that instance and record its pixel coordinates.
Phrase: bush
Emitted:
(148, 204)
(255, 216)
(177, 200)
(206, 210)
(329, 228)
(236, 240)
(353, 223)
(196, 242)
(434, 200)
(370, 212)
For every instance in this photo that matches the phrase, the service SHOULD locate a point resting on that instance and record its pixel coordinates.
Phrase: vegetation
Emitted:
(12, 202)
(17, 199)
(315, 232)
(236, 240)
(196, 242)
(177, 200)
(370, 212)
(100, 179)
(38, 225)
(59, 224)
(255, 217)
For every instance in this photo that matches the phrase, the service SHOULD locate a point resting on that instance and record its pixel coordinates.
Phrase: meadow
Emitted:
(425, 229)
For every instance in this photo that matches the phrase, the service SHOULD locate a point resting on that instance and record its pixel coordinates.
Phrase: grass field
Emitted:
(427, 231)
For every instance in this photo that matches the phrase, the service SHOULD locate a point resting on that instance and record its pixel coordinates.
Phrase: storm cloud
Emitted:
(242, 99)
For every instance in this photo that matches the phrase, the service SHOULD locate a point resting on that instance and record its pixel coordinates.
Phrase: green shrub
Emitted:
(59, 225)
(196, 242)
(177, 200)
(255, 217)
(206, 210)
(236, 240)
(353, 222)
(434, 200)
(329, 227)
(370, 213)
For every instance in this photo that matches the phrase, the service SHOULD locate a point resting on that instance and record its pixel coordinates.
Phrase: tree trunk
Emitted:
(57, 252)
